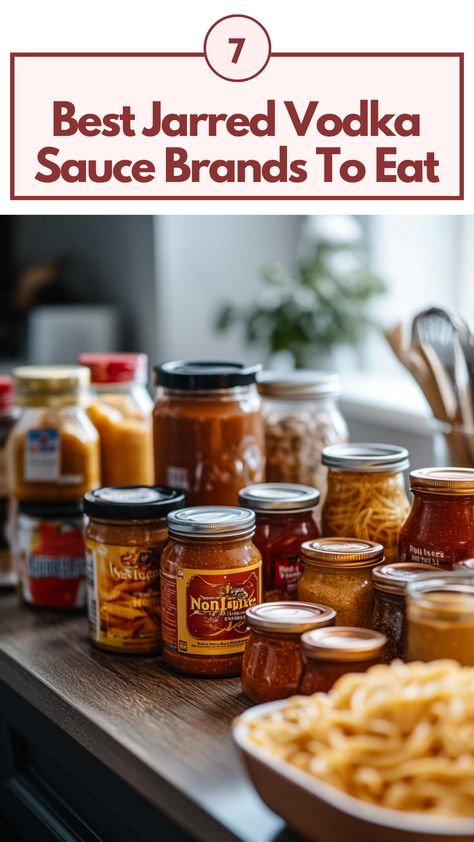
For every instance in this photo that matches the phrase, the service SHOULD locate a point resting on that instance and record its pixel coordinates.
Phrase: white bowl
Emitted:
(322, 813)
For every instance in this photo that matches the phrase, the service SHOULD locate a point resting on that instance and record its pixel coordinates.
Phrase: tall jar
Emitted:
(208, 430)
(211, 572)
(440, 527)
(8, 417)
(441, 618)
(390, 583)
(366, 495)
(53, 449)
(302, 417)
(121, 411)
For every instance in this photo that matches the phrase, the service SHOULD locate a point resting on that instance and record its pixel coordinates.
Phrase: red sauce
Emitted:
(320, 676)
(279, 538)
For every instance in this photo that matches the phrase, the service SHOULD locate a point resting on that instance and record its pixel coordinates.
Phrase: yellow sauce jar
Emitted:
(441, 618)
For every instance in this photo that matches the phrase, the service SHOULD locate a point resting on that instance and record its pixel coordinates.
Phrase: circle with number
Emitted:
(237, 48)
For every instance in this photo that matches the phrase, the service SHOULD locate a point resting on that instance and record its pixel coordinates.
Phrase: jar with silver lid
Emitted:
(390, 582)
(331, 653)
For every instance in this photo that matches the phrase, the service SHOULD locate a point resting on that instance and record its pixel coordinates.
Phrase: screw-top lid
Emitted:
(7, 392)
(132, 502)
(279, 497)
(299, 385)
(367, 458)
(467, 564)
(38, 385)
(212, 522)
(341, 552)
(343, 643)
(116, 368)
(448, 481)
(394, 578)
(200, 376)
(289, 617)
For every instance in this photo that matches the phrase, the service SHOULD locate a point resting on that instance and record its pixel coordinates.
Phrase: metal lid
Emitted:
(367, 458)
(279, 497)
(199, 376)
(341, 552)
(108, 368)
(212, 521)
(303, 384)
(289, 617)
(394, 578)
(466, 564)
(35, 384)
(132, 502)
(343, 643)
(449, 481)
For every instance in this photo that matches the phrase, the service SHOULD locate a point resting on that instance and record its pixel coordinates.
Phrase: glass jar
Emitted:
(208, 430)
(121, 411)
(440, 527)
(366, 493)
(284, 519)
(389, 582)
(53, 449)
(8, 418)
(302, 417)
(211, 572)
(330, 653)
(441, 618)
(338, 572)
(272, 666)
(125, 536)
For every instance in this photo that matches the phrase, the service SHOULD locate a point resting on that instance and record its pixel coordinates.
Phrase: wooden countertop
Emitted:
(168, 737)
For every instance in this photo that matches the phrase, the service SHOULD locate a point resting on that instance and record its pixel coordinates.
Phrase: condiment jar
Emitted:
(208, 430)
(272, 665)
(211, 572)
(53, 449)
(302, 417)
(284, 519)
(338, 572)
(8, 417)
(440, 612)
(440, 527)
(125, 536)
(330, 653)
(389, 582)
(366, 495)
(121, 411)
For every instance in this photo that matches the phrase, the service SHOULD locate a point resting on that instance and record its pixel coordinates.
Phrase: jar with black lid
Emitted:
(390, 583)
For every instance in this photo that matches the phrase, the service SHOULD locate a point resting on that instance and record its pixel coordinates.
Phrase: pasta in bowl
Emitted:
(384, 756)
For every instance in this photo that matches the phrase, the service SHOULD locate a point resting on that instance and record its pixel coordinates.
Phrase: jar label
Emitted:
(42, 456)
(52, 562)
(123, 595)
(287, 572)
(419, 551)
(204, 613)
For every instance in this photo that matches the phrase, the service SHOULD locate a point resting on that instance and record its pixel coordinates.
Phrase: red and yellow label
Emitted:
(203, 611)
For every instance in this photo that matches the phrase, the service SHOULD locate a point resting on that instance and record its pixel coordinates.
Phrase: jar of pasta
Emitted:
(302, 417)
(272, 665)
(208, 430)
(211, 572)
(53, 449)
(8, 417)
(440, 527)
(284, 519)
(390, 582)
(330, 653)
(441, 618)
(338, 572)
(121, 411)
(366, 495)
(125, 536)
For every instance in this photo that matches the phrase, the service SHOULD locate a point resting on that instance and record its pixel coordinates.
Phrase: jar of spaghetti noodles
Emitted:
(366, 495)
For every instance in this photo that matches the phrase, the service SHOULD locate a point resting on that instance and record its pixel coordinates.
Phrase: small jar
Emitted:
(272, 665)
(338, 572)
(121, 411)
(208, 430)
(284, 519)
(440, 527)
(302, 417)
(330, 653)
(389, 582)
(440, 612)
(53, 449)
(125, 536)
(366, 493)
(8, 417)
(211, 572)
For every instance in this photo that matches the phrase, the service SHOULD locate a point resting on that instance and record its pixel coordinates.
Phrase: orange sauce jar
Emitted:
(331, 653)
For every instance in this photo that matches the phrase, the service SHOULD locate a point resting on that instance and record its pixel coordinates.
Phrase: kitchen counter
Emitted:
(101, 747)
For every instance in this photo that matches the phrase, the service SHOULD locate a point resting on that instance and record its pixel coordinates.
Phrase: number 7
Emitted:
(240, 43)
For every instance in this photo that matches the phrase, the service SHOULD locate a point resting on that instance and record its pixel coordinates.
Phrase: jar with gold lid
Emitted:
(440, 612)
(338, 572)
(330, 653)
(390, 583)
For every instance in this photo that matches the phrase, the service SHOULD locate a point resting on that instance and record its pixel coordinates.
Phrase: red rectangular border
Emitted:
(459, 196)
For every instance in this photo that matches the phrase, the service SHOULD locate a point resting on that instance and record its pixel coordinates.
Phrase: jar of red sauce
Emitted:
(330, 653)
(284, 519)
(439, 529)
(272, 665)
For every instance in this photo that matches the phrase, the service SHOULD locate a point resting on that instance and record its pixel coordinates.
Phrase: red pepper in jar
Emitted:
(330, 653)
